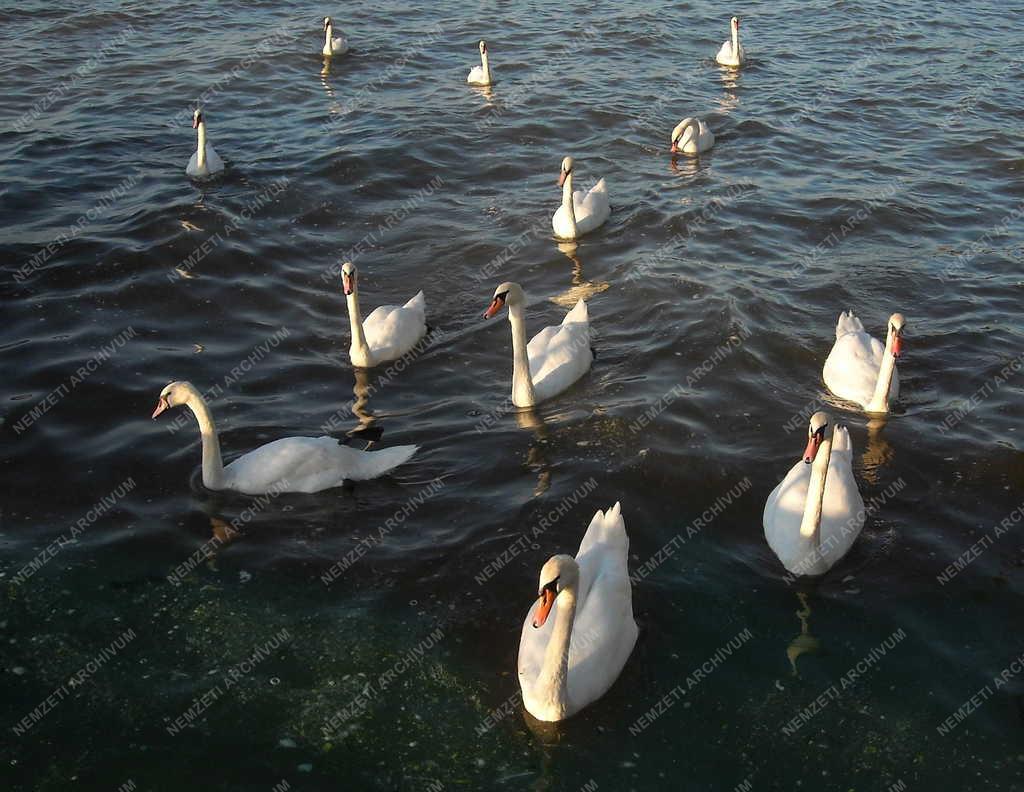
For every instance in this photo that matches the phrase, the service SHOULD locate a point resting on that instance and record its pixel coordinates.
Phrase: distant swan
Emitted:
(731, 53)
(388, 332)
(554, 359)
(580, 213)
(571, 660)
(481, 75)
(205, 161)
(692, 136)
(333, 46)
(291, 464)
(860, 369)
(815, 514)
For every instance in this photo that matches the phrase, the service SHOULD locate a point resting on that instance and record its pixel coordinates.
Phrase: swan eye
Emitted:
(552, 587)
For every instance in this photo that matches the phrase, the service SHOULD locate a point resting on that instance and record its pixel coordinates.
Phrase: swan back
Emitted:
(559, 355)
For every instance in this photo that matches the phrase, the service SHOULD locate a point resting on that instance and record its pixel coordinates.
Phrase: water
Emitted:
(886, 138)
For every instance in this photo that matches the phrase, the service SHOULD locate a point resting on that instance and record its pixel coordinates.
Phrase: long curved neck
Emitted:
(328, 45)
(551, 682)
(201, 150)
(810, 525)
(880, 398)
(213, 467)
(736, 41)
(567, 201)
(355, 320)
(485, 66)
(523, 394)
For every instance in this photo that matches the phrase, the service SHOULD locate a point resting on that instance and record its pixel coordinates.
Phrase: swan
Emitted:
(291, 464)
(860, 369)
(815, 514)
(554, 359)
(205, 161)
(333, 46)
(481, 75)
(388, 332)
(571, 660)
(579, 213)
(692, 136)
(731, 53)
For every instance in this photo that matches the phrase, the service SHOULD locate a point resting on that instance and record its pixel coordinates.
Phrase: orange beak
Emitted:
(496, 305)
(160, 407)
(675, 148)
(547, 599)
(812, 448)
(561, 178)
(346, 283)
(897, 345)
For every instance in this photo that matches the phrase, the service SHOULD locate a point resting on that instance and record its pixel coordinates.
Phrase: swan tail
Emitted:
(579, 313)
(600, 187)
(372, 464)
(419, 303)
(841, 440)
(607, 526)
(848, 323)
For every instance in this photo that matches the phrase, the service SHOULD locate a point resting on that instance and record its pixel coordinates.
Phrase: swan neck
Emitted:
(567, 201)
(523, 394)
(736, 42)
(485, 65)
(880, 398)
(552, 680)
(355, 319)
(810, 525)
(201, 144)
(213, 467)
(330, 35)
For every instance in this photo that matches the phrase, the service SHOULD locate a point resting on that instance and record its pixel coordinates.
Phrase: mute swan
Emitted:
(554, 359)
(860, 369)
(579, 213)
(333, 46)
(388, 332)
(692, 136)
(567, 662)
(291, 464)
(205, 161)
(481, 75)
(815, 514)
(731, 53)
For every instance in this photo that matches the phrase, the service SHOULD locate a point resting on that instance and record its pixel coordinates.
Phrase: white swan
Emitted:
(205, 161)
(815, 514)
(692, 136)
(571, 660)
(579, 213)
(481, 75)
(388, 332)
(860, 369)
(291, 464)
(554, 359)
(731, 53)
(333, 46)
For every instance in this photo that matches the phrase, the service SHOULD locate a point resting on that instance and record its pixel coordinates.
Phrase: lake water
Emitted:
(868, 157)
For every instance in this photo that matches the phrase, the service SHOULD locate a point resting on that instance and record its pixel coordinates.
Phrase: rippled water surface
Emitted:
(868, 157)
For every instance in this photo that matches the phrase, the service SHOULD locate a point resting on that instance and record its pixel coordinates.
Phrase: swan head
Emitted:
(197, 118)
(567, 164)
(349, 275)
(734, 23)
(819, 427)
(896, 323)
(483, 47)
(327, 24)
(507, 293)
(677, 134)
(558, 573)
(177, 393)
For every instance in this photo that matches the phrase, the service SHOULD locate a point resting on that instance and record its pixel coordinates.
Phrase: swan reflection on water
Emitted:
(878, 452)
(804, 643)
(581, 289)
(536, 460)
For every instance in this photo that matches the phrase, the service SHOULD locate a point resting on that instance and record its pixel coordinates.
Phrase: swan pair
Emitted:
(332, 45)
(481, 75)
(813, 517)
(732, 54)
(571, 658)
(291, 464)
(205, 161)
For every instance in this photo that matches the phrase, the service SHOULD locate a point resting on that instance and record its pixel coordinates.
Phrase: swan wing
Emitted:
(561, 355)
(476, 75)
(851, 369)
(591, 208)
(309, 464)
(392, 330)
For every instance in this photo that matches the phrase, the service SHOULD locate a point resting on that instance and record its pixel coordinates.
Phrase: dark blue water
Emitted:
(868, 157)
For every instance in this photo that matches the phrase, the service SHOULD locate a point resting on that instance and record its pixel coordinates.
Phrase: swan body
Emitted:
(291, 464)
(332, 45)
(860, 368)
(580, 212)
(815, 514)
(388, 332)
(554, 359)
(481, 75)
(731, 53)
(571, 659)
(205, 161)
(692, 136)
